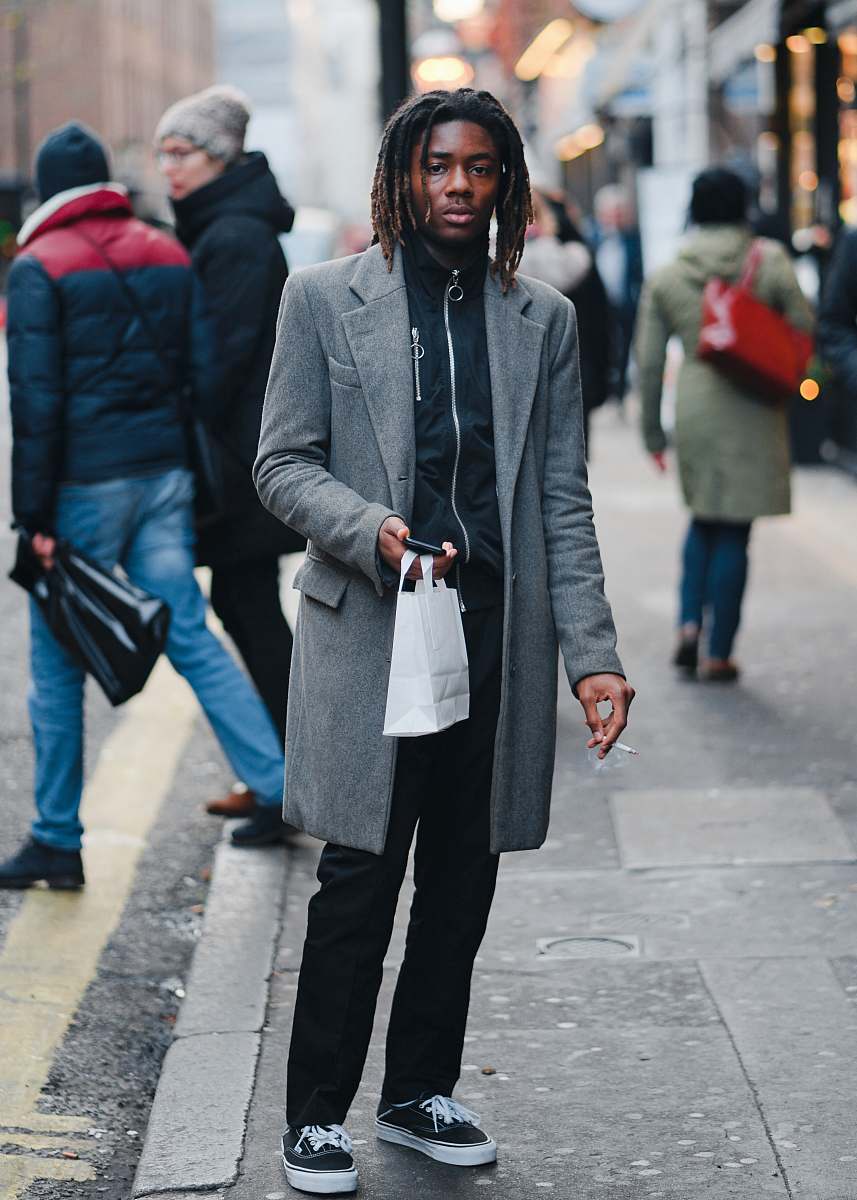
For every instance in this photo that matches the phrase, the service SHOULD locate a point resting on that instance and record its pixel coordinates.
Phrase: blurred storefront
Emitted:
(114, 66)
(608, 89)
(644, 93)
(816, 128)
(783, 79)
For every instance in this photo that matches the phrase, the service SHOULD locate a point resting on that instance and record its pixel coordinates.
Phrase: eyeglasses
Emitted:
(176, 157)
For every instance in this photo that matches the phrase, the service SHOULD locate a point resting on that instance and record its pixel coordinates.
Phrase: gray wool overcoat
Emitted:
(337, 457)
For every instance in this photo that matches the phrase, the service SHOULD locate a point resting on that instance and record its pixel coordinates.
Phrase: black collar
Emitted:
(424, 271)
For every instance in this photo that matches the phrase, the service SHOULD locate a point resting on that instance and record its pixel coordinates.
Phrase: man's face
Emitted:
(462, 181)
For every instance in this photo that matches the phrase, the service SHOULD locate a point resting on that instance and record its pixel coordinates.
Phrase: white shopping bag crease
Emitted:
(429, 686)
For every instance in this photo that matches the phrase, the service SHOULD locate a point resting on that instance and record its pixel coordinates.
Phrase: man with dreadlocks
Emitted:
(422, 386)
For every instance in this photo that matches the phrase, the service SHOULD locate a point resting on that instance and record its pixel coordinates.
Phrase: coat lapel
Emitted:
(379, 340)
(514, 355)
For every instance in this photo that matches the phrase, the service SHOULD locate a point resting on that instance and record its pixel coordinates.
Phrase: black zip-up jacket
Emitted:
(231, 227)
(455, 491)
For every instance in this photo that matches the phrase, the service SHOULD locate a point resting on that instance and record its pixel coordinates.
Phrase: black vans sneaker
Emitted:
(38, 863)
(439, 1127)
(318, 1159)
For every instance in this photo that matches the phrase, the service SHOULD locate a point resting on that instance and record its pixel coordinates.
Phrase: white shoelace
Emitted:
(319, 1136)
(449, 1111)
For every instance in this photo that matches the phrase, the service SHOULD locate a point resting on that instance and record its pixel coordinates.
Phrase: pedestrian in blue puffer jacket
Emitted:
(98, 458)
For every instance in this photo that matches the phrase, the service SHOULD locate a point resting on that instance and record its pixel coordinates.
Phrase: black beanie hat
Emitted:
(71, 156)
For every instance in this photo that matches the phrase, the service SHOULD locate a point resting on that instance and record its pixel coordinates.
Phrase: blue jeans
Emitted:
(146, 524)
(714, 577)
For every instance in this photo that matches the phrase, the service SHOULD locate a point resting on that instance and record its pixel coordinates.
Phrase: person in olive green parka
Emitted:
(732, 446)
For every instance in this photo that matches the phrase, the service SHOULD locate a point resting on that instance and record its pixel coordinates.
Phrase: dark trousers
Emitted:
(714, 577)
(442, 789)
(246, 598)
(624, 318)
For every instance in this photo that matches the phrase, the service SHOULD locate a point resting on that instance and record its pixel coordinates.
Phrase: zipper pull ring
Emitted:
(455, 291)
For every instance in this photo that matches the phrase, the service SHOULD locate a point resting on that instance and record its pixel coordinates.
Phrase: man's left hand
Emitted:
(619, 693)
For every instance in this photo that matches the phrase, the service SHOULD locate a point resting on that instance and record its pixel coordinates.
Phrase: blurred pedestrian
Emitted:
(99, 305)
(556, 252)
(229, 215)
(619, 255)
(421, 382)
(837, 318)
(732, 445)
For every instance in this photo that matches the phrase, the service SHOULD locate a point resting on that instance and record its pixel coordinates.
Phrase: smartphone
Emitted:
(423, 547)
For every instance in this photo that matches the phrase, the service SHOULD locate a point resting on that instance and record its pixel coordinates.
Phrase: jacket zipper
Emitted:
(454, 292)
(417, 351)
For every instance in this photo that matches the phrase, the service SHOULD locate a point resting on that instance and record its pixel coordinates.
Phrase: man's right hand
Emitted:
(391, 547)
(44, 548)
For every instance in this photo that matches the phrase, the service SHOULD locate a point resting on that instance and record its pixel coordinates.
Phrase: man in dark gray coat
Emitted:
(420, 385)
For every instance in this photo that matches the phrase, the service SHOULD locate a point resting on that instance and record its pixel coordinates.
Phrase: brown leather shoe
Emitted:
(239, 803)
(720, 670)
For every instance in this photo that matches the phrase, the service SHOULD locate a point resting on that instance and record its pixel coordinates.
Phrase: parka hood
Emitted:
(716, 250)
(72, 205)
(247, 189)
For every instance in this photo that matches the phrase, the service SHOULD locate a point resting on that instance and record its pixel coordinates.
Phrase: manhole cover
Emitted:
(587, 946)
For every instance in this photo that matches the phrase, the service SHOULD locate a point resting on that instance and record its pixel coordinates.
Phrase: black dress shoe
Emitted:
(439, 1127)
(38, 863)
(266, 827)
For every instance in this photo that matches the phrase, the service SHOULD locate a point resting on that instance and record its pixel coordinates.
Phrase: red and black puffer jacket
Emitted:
(92, 398)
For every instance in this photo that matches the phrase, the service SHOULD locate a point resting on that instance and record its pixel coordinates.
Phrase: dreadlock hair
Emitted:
(392, 203)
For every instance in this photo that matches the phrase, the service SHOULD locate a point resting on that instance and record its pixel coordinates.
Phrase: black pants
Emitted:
(442, 788)
(246, 598)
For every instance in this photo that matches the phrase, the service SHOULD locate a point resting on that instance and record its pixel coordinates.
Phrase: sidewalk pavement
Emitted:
(664, 1005)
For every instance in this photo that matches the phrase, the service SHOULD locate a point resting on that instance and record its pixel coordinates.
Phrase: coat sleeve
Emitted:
(837, 321)
(650, 351)
(584, 622)
(234, 269)
(36, 392)
(291, 472)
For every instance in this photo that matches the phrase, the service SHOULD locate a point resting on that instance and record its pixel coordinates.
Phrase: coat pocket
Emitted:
(321, 581)
(344, 376)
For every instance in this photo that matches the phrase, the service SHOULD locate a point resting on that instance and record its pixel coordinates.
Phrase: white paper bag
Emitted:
(429, 686)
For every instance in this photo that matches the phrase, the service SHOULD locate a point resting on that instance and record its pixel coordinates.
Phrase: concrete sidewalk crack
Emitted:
(754, 1091)
(204, 1033)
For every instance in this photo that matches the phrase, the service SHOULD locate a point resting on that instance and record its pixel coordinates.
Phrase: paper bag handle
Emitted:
(423, 586)
(426, 562)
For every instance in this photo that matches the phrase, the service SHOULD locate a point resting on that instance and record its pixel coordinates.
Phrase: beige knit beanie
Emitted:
(214, 119)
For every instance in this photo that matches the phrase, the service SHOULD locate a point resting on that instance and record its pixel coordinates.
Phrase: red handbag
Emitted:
(749, 341)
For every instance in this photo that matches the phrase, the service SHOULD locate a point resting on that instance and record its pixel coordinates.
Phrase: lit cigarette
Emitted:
(627, 749)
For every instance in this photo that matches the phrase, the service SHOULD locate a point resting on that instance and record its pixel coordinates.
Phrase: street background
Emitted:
(708, 1015)
(666, 996)
(697, 1035)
